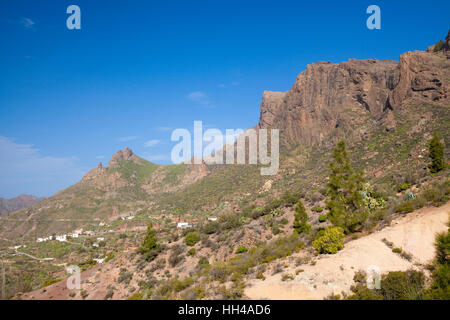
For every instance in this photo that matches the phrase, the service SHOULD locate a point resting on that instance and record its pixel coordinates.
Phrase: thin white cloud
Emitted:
(23, 169)
(221, 85)
(199, 97)
(127, 138)
(152, 143)
(27, 23)
(100, 157)
(155, 157)
(235, 83)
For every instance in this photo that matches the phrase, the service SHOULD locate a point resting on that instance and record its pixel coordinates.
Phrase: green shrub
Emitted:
(403, 187)
(191, 252)
(125, 276)
(329, 240)
(399, 285)
(176, 256)
(396, 285)
(289, 198)
(323, 218)
(210, 227)
(317, 209)
(241, 249)
(192, 238)
(136, 296)
(397, 250)
(300, 219)
(404, 207)
(203, 261)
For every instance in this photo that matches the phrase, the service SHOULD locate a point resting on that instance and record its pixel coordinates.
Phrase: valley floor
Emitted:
(414, 233)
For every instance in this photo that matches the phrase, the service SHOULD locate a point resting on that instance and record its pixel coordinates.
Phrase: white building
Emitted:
(100, 239)
(99, 260)
(61, 238)
(74, 235)
(183, 225)
(95, 244)
(212, 219)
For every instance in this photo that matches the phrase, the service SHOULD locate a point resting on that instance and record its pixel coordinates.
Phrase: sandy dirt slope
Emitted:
(414, 233)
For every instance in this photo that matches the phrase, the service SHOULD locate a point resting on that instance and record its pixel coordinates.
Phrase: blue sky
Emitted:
(138, 69)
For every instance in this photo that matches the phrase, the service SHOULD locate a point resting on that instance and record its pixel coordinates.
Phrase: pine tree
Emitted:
(346, 205)
(149, 246)
(300, 219)
(436, 153)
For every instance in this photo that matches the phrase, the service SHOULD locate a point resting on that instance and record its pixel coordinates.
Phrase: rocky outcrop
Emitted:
(119, 156)
(422, 78)
(270, 106)
(327, 96)
(332, 101)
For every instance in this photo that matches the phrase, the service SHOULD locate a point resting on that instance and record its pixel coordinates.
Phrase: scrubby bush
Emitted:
(191, 252)
(317, 209)
(323, 218)
(210, 227)
(397, 285)
(230, 221)
(329, 240)
(176, 255)
(192, 238)
(125, 276)
(289, 198)
(404, 207)
(300, 219)
(403, 187)
(241, 249)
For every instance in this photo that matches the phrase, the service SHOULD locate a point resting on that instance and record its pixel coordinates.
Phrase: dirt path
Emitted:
(414, 233)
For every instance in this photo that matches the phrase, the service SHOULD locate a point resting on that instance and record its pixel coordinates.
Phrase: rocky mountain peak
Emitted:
(122, 155)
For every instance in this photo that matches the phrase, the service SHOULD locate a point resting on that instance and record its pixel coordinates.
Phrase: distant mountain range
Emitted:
(17, 203)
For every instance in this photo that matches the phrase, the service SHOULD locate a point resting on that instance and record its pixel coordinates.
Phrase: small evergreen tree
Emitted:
(149, 246)
(300, 219)
(436, 153)
(346, 206)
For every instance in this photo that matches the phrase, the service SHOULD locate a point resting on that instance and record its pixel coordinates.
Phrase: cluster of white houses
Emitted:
(185, 225)
(63, 237)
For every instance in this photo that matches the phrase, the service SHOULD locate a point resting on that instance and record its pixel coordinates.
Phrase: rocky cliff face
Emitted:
(332, 101)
